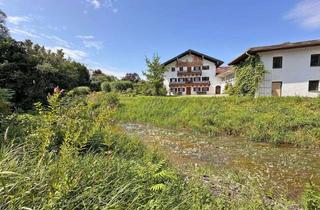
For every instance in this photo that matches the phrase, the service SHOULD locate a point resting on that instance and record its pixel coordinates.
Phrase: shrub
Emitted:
(105, 87)
(79, 91)
(112, 100)
(121, 86)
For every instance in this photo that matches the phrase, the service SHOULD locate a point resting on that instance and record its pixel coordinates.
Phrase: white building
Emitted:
(194, 73)
(293, 68)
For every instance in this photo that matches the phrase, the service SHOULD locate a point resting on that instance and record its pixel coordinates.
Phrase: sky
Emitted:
(116, 35)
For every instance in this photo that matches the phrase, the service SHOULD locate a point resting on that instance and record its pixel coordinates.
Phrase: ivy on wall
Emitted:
(249, 75)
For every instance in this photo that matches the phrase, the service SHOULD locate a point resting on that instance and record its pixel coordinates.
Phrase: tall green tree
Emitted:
(4, 32)
(32, 71)
(154, 74)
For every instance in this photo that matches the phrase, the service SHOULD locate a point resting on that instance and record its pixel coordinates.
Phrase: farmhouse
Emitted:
(293, 68)
(194, 73)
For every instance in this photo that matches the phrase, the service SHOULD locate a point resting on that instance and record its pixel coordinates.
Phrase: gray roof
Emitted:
(283, 46)
(214, 60)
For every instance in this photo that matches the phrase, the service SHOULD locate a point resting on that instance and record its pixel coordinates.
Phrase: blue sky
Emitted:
(116, 35)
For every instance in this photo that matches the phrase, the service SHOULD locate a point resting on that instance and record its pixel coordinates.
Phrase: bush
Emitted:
(121, 86)
(105, 87)
(79, 91)
(112, 100)
(228, 89)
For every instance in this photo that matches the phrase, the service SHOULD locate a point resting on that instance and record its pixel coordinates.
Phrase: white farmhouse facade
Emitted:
(293, 68)
(194, 73)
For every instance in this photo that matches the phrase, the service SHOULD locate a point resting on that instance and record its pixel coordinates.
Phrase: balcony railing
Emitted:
(189, 72)
(187, 82)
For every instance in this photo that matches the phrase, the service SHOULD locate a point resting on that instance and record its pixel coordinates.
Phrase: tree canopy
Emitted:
(132, 77)
(4, 32)
(155, 72)
(32, 71)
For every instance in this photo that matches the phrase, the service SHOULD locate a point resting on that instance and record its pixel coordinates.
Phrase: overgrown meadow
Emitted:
(292, 120)
(72, 155)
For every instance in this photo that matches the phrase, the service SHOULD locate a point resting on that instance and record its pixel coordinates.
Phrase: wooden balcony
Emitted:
(190, 84)
(193, 73)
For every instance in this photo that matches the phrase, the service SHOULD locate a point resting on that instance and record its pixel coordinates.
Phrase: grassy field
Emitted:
(72, 155)
(291, 120)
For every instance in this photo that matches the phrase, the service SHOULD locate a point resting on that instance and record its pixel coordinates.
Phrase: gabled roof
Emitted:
(224, 70)
(283, 46)
(214, 60)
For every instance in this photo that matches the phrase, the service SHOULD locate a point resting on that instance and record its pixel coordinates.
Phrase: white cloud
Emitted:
(16, 20)
(90, 42)
(111, 71)
(85, 36)
(95, 3)
(23, 32)
(93, 44)
(58, 40)
(306, 13)
(72, 53)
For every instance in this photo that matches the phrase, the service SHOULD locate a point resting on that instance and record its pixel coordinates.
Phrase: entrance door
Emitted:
(188, 90)
(218, 90)
(276, 89)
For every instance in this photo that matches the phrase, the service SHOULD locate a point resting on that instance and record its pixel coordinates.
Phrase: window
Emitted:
(181, 69)
(197, 89)
(181, 80)
(197, 68)
(173, 69)
(315, 60)
(173, 90)
(197, 79)
(314, 85)
(205, 78)
(181, 89)
(205, 89)
(189, 68)
(205, 67)
(277, 62)
(173, 79)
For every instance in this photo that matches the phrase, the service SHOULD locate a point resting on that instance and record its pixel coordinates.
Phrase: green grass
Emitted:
(291, 120)
(72, 155)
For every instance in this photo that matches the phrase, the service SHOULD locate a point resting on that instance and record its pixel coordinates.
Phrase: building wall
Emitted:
(294, 74)
(211, 73)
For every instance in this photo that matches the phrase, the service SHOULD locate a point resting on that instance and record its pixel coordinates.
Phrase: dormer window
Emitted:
(277, 62)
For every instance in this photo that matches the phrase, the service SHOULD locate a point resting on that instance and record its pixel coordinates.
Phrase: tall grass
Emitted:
(70, 155)
(292, 120)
